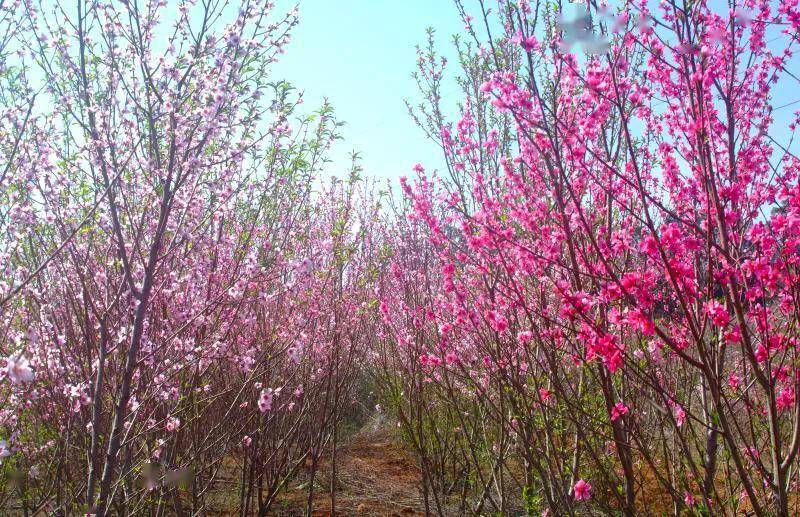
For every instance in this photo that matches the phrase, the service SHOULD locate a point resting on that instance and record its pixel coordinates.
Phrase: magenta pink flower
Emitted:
(497, 321)
(716, 311)
(762, 353)
(785, 399)
(582, 490)
(525, 336)
(529, 44)
(734, 381)
(678, 414)
(618, 410)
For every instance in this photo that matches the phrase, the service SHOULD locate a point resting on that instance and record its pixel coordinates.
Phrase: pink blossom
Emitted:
(716, 311)
(525, 336)
(172, 424)
(733, 336)
(306, 266)
(734, 381)
(678, 414)
(18, 369)
(582, 490)
(5, 451)
(618, 410)
(785, 398)
(497, 321)
(530, 44)
(265, 400)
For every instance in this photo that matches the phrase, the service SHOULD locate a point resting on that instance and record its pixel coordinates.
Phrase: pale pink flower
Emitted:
(173, 423)
(18, 369)
(679, 414)
(5, 451)
(265, 400)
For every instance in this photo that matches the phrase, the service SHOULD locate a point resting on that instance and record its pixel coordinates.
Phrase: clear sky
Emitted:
(360, 55)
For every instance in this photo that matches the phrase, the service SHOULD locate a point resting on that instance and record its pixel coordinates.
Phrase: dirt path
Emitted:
(376, 476)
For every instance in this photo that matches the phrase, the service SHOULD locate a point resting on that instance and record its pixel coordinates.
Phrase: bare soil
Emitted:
(375, 476)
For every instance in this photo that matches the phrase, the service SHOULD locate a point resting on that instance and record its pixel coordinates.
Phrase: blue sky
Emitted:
(360, 54)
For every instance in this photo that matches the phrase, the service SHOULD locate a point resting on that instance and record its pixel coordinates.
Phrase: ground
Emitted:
(376, 476)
